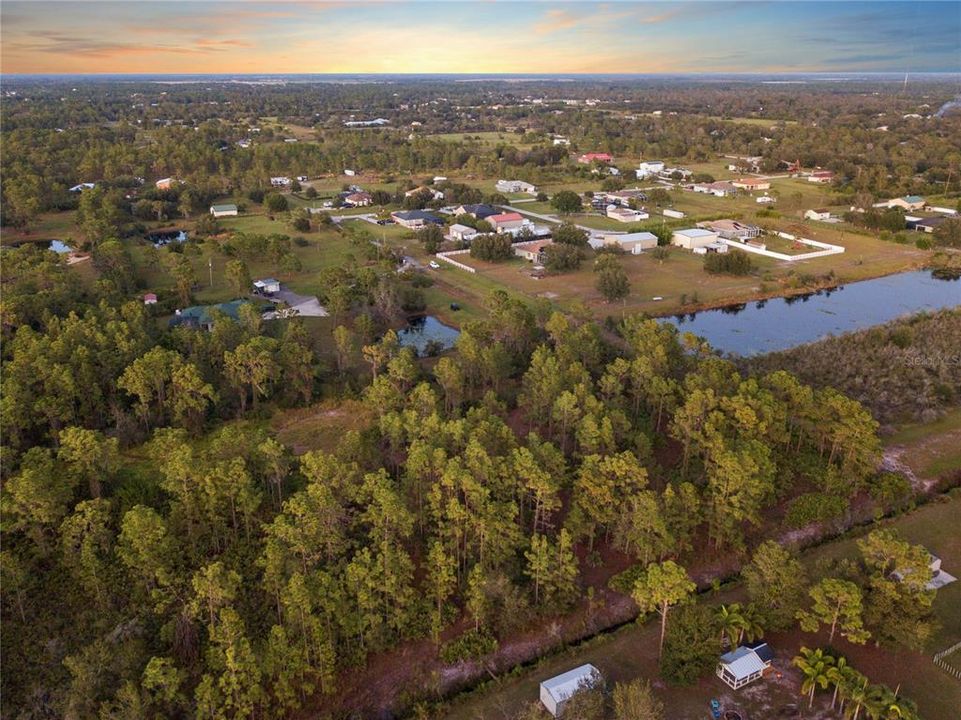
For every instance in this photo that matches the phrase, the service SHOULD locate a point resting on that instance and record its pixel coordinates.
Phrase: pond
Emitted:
(160, 238)
(782, 323)
(428, 335)
(57, 246)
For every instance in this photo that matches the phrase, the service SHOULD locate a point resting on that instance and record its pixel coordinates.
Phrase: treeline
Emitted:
(903, 371)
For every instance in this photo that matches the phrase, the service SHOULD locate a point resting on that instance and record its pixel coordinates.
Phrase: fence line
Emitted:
(939, 660)
(446, 257)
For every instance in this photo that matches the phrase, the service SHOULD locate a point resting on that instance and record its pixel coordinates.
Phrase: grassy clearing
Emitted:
(631, 651)
(931, 449)
(321, 426)
(486, 139)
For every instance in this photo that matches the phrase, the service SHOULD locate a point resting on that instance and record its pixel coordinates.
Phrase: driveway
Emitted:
(305, 305)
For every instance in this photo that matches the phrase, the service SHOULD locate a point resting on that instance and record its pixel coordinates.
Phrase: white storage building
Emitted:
(558, 690)
(693, 238)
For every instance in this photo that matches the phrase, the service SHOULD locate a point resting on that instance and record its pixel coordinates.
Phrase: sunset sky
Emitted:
(478, 37)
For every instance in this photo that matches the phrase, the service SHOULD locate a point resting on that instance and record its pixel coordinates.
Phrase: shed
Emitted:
(228, 210)
(556, 691)
(744, 664)
(461, 232)
(150, 299)
(693, 238)
(267, 286)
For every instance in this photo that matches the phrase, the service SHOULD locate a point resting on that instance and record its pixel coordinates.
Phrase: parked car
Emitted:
(435, 265)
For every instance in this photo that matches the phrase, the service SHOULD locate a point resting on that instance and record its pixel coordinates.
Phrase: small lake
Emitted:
(781, 323)
(57, 246)
(161, 238)
(427, 332)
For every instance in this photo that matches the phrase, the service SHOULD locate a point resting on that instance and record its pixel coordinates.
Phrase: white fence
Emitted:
(950, 669)
(446, 257)
(827, 249)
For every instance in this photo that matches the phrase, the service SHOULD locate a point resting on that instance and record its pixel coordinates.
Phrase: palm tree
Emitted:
(858, 695)
(731, 621)
(752, 630)
(814, 664)
(884, 704)
(851, 680)
(837, 676)
(877, 702)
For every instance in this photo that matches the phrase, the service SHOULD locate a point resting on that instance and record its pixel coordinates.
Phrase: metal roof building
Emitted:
(556, 691)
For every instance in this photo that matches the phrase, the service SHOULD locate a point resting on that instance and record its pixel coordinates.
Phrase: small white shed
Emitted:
(556, 691)
(744, 664)
(267, 286)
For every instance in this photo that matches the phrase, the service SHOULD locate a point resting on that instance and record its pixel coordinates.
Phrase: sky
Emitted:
(481, 36)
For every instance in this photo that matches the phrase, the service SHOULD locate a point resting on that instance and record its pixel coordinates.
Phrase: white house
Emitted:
(556, 691)
(561, 140)
(821, 176)
(83, 186)
(434, 194)
(533, 251)
(731, 229)
(625, 215)
(515, 186)
(280, 181)
(751, 184)
(634, 243)
(228, 210)
(463, 233)
(677, 214)
(718, 189)
(821, 215)
(908, 202)
(745, 664)
(764, 200)
(693, 238)
(649, 168)
(267, 286)
(165, 183)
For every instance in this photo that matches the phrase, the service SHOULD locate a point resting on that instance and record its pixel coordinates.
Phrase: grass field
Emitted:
(930, 449)
(631, 651)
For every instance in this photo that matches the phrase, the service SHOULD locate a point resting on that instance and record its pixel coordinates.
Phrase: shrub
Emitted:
(814, 507)
(566, 201)
(492, 248)
(472, 644)
(734, 262)
(562, 258)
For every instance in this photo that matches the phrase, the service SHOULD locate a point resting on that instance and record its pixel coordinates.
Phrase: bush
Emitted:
(814, 507)
(733, 262)
(275, 202)
(492, 248)
(569, 234)
(562, 258)
(472, 644)
(690, 647)
(566, 201)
